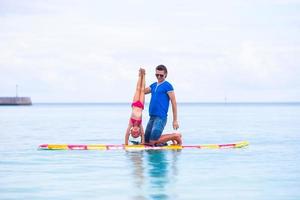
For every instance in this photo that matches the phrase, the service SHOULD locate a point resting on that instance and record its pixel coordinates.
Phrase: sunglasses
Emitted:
(160, 75)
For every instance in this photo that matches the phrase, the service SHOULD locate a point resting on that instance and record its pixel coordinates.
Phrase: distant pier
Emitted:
(15, 101)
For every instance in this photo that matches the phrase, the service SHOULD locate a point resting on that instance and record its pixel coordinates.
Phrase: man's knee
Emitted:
(155, 134)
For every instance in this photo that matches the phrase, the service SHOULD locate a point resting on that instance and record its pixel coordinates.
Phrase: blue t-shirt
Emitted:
(159, 103)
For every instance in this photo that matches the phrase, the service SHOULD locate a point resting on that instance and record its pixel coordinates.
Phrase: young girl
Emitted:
(135, 127)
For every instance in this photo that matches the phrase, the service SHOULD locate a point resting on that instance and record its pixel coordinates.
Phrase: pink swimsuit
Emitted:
(139, 105)
(136, 121)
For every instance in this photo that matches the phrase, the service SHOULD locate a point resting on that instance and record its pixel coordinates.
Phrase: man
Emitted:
(161, 94)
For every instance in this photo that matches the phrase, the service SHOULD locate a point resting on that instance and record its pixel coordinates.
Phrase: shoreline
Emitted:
(15, 101)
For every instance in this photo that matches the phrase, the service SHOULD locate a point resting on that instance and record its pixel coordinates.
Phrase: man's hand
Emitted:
(175, 125)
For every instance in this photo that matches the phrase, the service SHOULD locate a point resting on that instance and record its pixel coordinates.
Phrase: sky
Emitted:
(91, 50)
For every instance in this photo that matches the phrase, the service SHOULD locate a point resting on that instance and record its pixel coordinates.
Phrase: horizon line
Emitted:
(186, 102)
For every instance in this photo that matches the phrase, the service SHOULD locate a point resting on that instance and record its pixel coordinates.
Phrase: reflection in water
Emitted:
(153, 177)
(158, 172)
(136, 157)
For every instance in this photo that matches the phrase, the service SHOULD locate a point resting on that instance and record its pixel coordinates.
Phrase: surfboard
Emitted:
(240, 144)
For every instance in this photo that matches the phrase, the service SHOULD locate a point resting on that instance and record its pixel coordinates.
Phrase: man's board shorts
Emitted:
(154, 128)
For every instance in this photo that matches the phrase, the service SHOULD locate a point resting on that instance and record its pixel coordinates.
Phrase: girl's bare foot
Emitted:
(142, 71)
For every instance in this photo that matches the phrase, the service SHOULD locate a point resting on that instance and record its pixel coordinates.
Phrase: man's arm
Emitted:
(174, 109)
(147, 90)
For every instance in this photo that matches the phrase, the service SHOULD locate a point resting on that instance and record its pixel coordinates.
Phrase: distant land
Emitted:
(15, 101)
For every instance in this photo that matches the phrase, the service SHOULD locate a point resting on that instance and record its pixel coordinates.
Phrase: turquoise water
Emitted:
(268, 169)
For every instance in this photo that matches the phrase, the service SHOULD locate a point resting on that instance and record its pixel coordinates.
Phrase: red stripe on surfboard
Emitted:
(77, 147)
(226, 145)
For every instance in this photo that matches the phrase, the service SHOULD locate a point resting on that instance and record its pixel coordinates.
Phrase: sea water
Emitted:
(267, 169)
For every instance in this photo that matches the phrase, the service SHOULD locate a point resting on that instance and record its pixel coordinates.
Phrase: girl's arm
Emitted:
(127, 134)
(142, 135)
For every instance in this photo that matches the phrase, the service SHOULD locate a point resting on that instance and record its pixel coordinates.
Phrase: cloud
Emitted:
(91, 51)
